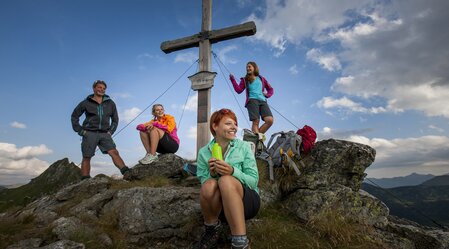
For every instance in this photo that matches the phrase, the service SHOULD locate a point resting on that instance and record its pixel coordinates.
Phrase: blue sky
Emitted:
(374, 72)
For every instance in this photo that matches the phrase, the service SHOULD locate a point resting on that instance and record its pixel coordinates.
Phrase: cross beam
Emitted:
(214, 36)
(203, 80)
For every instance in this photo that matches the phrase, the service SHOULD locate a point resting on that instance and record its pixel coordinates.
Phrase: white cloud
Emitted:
(327, 130)
(145, 60)
(291, 21)
(224, 58)
(18, 125)
(347, 105)
(188, 57)
(129, 114)
(243, 3)
(192, 103)
(327, 61)
(293, 70)
(19, 165)
(11, 151)
(433, 127)
(427, 153)
(431, 99)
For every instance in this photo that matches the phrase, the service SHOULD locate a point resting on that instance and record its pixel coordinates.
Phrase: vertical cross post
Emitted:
(203, 134)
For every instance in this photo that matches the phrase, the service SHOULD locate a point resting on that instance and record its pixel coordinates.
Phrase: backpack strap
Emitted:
(296, 141)
(266, 157)
(292, 164)
(272, 138)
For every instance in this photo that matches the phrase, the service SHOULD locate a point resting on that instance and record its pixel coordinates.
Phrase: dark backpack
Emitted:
(308, 136)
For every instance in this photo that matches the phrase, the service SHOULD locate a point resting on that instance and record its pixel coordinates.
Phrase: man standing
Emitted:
(96, 129)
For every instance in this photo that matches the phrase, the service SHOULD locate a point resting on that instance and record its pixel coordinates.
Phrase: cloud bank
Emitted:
(393, 50)
(19, 165)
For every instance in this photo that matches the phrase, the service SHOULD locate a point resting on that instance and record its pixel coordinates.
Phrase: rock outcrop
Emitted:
(149, 215)
(331, 179)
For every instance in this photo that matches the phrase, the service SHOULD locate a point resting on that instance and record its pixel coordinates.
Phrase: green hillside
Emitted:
(420, 203)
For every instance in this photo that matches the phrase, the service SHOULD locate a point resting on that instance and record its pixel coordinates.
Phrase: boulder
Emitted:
(150, 215)
(91, 207)
(357, 206)
(87, 187)
(167, 165)
(331, 162)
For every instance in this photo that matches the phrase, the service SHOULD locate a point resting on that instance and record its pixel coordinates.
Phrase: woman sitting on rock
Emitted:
(229, 186)
(158, 135)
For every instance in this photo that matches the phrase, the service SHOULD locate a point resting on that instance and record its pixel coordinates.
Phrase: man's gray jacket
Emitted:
(97, 115)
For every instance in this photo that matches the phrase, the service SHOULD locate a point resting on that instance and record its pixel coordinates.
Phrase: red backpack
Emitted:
(308, 136)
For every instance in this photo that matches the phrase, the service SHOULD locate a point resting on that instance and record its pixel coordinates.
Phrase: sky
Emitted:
(369, 71)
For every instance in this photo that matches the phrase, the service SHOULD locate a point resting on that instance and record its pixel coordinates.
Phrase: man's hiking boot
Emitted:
(85, 177)
(124, 170)
(240, 245)
(210, 237)
(148, 159)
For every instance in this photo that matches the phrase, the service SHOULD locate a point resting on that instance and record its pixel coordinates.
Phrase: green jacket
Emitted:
(239, 156)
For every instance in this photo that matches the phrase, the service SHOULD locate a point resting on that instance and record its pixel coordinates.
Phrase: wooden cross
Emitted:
(203, 80)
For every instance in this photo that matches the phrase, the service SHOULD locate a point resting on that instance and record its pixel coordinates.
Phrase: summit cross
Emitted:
(203, 80)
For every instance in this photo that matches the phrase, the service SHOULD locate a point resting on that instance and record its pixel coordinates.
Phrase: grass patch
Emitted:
(14, 230)
(342, 232)
(108, 223)
(152, 181)
(275, 228)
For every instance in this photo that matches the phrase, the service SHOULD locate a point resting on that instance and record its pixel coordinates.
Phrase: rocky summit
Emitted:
(157, 206)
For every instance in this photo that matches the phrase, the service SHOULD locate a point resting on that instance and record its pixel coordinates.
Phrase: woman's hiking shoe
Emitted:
(148, 159)
(262, 137)
(210, 237)
(240, 245)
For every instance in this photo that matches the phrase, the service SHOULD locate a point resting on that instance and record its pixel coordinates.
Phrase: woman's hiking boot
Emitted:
(210, 237)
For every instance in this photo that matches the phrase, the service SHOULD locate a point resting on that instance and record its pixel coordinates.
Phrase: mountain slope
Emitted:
(420, 203)
(58, 175)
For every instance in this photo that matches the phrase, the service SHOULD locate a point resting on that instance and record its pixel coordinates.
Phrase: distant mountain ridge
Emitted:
(413, 179)
(437, 181)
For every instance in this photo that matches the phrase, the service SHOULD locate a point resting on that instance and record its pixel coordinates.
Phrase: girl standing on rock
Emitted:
(258, 90)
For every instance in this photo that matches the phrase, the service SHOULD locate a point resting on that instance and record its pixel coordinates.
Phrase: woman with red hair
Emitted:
(228, 187)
